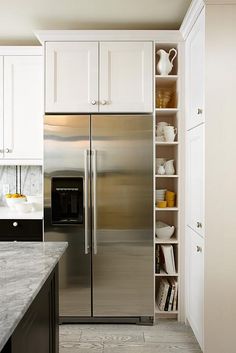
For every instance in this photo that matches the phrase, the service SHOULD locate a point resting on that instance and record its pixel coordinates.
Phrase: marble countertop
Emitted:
(7, 213)
(24, 268)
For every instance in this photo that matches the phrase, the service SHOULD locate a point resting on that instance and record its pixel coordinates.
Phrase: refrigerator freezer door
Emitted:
(122, 208)
(67, 169)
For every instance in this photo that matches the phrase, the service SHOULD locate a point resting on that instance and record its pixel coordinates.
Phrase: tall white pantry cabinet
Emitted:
(194, 205)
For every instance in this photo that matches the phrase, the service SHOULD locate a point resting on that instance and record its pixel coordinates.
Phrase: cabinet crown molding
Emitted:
(21, 50)
(191, 16)
(108, 35)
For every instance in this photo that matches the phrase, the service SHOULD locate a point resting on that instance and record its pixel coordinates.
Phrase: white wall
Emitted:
(220, 261)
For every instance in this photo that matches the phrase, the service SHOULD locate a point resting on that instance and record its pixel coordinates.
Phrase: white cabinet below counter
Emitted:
(105, 77)
(21, 114)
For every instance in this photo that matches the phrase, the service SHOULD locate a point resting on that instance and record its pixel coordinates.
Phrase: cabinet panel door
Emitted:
(71, 77)
(195, 179)
(195, 283)
(126, 77)
(1, 107)
(195, 73)
(23, 107)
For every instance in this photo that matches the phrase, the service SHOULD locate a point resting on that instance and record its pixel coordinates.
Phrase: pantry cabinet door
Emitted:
(195, 73)
(126, 77)
(71, 77)
(195, 179)
(195, 283)
(23, 107)
(1, 107)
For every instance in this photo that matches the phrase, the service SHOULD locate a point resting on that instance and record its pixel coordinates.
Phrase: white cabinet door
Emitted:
(195, 73)
(126, 77)
(1, 107)
(195, 179)
(195, 283)
(71, 77)
(23, 107)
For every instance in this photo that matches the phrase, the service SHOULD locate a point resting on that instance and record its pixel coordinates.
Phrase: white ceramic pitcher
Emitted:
(165, 65)
(169, 167)
(169, 133)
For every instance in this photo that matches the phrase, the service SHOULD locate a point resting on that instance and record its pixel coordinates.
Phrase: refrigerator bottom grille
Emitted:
(141, 320)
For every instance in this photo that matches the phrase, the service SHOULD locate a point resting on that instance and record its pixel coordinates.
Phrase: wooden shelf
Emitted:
(162, 312)
(167, 209)
(166, 111)
(166, 143)
(166, 274)
(166, 176)
(169, 241)
(170, 77)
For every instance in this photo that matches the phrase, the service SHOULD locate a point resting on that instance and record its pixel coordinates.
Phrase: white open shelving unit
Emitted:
(168, 150)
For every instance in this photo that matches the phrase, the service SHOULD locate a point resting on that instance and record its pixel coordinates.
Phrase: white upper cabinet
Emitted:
(71, 77)
(195, 283)
(98, 77)
(23, 107)
(195, 73)
(1, 107)
(195, 179)
(125, 77)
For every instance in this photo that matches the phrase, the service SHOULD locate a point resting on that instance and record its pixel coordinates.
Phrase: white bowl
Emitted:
(34, 198)
(23, 207)
(35, 201)
(164, 231)
(11, 202)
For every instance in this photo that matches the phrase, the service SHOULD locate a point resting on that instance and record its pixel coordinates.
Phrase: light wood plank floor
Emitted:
(166, 336)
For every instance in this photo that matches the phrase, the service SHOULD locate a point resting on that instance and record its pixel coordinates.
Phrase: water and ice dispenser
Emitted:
(67, 200)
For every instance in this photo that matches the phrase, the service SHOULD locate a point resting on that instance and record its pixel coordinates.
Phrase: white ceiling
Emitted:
(18, 18)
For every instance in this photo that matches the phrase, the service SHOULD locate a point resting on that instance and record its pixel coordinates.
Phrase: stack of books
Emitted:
(165, 259)
(167, 296)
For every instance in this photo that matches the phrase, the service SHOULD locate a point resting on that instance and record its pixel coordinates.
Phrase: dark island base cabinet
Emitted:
(21, 230)
(38, 330)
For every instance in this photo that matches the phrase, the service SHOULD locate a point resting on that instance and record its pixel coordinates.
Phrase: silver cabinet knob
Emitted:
(104, 102)
(15, 224)
(199, 225)
(199, 111)
(93, 102)
(199, 248)
(7, 150)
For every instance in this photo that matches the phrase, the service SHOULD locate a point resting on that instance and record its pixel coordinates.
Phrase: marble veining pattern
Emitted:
(31, 179)
(166, 336)
(24, 268)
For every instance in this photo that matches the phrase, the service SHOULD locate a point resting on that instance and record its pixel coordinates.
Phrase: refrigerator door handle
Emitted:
(94, 153)
(86, 244)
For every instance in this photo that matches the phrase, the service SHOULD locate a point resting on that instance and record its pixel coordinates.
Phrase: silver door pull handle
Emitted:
(199, 111)
(199, 225)
(86, 245)
(94, 152)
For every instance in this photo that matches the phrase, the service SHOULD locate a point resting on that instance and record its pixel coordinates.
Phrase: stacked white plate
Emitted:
(160, 195)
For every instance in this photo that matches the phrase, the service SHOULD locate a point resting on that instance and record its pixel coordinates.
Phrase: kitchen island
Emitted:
(29, 296)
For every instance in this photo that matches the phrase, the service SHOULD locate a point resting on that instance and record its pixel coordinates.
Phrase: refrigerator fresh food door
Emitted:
(122, 226)
(67, 207)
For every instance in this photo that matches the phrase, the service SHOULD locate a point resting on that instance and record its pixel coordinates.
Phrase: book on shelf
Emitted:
(166, 308)
(167, 295)
(158, 264)
(173, 297)
(169, 258)
(175, 300)
(162, 294)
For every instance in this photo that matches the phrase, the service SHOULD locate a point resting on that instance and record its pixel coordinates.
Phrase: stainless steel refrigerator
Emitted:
(98, 182)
